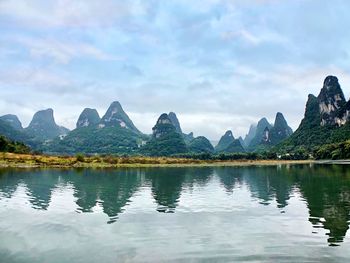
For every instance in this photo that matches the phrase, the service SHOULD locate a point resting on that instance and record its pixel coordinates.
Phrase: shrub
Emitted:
(80, 157)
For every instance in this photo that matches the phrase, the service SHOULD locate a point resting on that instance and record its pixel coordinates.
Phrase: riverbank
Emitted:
(8, 160)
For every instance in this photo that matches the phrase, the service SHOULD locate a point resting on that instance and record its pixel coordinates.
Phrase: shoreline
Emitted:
(10, 160)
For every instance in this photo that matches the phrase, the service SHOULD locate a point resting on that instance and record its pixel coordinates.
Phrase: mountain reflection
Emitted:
(167, 184)
(324, 189)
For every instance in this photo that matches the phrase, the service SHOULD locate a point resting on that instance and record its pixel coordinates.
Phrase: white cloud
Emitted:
(67, 13)
(62, 51)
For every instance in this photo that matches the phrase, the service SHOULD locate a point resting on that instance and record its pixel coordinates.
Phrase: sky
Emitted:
(219, 64)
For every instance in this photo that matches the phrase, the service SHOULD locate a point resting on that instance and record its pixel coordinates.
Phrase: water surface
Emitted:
(296, 213)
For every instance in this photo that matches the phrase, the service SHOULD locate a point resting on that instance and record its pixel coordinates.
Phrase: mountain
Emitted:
(261, 134)
(241, 141)
(228, 144)
(200, 144)
(165, 139)
(250, 136)
(89, 117)
(188, 137)
(13, 121)
(174, 120)
(225, 141)
(332, 103)
(115, 133)
(43, 126)
(7, 130)
(234, 147)
(280, 130)
(116, 117)
(267, 135)
(326, 119)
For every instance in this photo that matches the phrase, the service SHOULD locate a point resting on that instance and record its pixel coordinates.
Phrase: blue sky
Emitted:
(219, 64)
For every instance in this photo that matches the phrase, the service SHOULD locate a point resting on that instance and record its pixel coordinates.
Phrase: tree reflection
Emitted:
(166, 186)
(325, 188)
(327, 192)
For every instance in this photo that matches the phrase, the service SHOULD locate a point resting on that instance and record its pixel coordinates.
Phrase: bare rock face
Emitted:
(266, 136)
(163, 126)
(331, 102)
(89, 117)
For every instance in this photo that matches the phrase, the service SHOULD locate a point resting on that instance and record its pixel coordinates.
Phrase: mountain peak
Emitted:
(280, 130)
(173, 118)
(328, 109)
(330, 81)
(45, 116)
(201, 144)
(116, 117)
(262, 130)
(330, 99)
(12, 120)
(164, 119)
(225, 141)
(163, 126)
(116, 104)
(280, 121)
(229, 134)
(89, 117)
(44, 127)
(262, 123)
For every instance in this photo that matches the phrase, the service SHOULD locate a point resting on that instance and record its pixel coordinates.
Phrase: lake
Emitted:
(287, 213)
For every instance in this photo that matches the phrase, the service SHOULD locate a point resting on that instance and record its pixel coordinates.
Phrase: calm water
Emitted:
(259, 214)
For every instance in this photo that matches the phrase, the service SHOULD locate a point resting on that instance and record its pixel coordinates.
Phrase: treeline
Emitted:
(267, 155)
(7, 145)
(334, 151)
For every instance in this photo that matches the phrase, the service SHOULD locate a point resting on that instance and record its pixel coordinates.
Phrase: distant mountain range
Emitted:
(326, 120)
(265, 135)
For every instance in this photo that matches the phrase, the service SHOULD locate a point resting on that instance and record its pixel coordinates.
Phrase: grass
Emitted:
(30, 160)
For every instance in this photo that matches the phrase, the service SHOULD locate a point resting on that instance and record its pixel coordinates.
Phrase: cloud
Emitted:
(219, 64)
(62, 51)
(66, 13)
(132, 70)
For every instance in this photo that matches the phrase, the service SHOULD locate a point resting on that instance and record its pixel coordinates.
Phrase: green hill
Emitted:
(7, 145)
(200, 144)
(165, 139)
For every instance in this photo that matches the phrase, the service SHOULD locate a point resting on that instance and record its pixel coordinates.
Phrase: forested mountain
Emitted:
(326, 119)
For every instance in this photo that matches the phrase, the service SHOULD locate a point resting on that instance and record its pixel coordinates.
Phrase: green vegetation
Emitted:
(228, 144)
(12, 147)
(166, 141)
(104, 161)
(200, 144)
(234, 147)
(91, 140)
(333, 151)
(259, 134)
(13, 134)
(166, 145)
